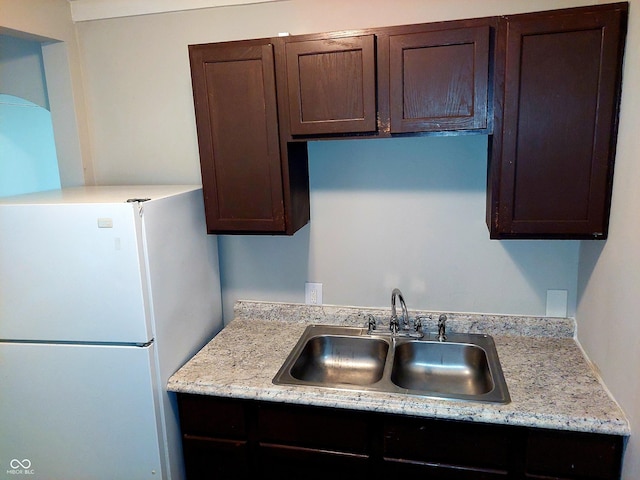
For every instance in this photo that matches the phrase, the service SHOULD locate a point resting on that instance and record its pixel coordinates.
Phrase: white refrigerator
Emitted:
(104, 293)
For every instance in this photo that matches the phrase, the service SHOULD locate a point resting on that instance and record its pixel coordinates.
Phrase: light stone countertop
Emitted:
(551, 383)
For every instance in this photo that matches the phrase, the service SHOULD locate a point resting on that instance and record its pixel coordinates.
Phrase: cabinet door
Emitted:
(332, 85)
(439, 80)
(573, 455)
(235, 105)
(552, 161)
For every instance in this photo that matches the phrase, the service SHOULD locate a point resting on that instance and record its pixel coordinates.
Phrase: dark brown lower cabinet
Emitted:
(215, 458)
(445, 449)
(232, 438)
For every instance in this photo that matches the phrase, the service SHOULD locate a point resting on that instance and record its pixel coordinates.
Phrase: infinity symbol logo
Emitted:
(26, 463)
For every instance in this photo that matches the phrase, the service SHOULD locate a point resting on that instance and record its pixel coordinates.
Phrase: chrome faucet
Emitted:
(398, 328)
(393, 324)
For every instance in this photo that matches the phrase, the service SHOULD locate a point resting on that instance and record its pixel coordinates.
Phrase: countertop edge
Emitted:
(619, 428)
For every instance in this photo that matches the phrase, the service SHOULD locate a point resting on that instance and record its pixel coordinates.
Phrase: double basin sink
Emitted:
(464, 367)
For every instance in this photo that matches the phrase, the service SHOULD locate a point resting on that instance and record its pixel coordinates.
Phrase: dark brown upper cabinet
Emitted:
(385, 81)
(251, 183)
(544, 86)
(438, 80)
(552, 154)
(331, 85)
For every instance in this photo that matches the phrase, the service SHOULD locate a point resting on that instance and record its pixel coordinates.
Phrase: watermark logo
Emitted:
(20, 467)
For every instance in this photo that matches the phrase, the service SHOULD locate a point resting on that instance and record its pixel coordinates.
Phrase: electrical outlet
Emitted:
(313, 293)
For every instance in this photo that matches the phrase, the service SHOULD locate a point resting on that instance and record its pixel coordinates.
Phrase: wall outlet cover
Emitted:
(313, 293)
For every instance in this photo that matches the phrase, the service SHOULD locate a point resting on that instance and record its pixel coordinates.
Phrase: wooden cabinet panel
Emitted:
(553, 157)
(453, 444)
(545, 86)
(433, 471)
(285, 461)
(201, 415)
(321, 442)
(439, 80)
(336, 430)
(244, 180)
(331, 85)
(573, 455)
(215, 459)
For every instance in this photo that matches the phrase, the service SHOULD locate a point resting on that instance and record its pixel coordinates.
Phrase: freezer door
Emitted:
(78, 411)
(73, 272)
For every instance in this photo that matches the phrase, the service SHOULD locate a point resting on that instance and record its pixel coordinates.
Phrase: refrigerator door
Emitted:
(72, 272)
(184, 280)
(78, 412)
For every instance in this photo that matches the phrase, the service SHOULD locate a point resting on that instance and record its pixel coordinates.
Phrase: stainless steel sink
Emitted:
(331, 359)
(464, 367)
(458, 368)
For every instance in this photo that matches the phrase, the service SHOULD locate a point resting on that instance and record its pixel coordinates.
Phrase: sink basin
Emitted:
(330, 359)
(465, 367)
(458, 368)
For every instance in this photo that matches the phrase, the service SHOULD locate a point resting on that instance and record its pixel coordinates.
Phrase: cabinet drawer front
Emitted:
(439, 80)
(335, 430)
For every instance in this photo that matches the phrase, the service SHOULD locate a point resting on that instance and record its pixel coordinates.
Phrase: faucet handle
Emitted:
(417, 322)
(371, 322)
(442, 332)
(393, 324)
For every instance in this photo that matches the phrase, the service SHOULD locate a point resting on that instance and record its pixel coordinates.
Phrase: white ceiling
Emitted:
(83, 10)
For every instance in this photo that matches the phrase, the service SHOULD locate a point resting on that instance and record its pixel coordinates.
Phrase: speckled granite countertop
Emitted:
(551, 383)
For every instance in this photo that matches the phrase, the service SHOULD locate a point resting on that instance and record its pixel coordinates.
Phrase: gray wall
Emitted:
(405, 213)
(22, 70)
(28, 160)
